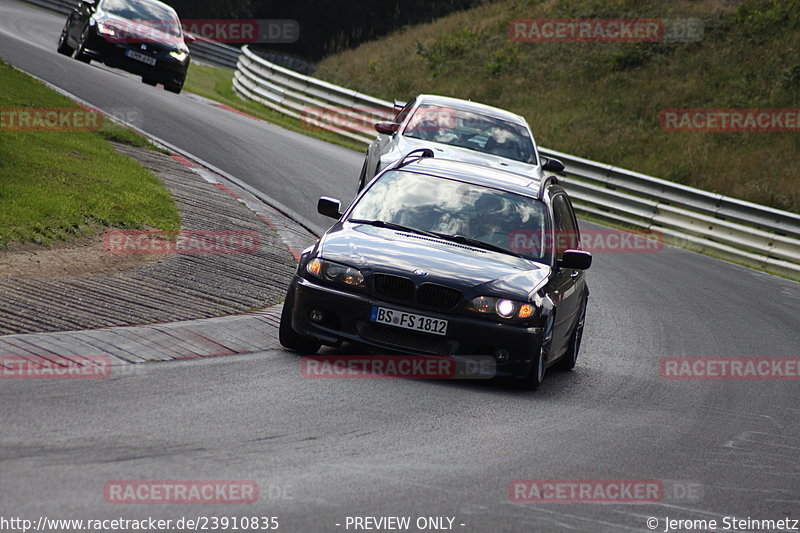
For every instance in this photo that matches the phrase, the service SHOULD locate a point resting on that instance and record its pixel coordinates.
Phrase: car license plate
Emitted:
(401, 319)
(141, 57)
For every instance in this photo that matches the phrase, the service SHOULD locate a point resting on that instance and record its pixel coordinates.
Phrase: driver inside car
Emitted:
(495, 220)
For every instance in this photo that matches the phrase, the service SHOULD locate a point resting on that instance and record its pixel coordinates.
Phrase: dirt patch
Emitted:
(82, 257)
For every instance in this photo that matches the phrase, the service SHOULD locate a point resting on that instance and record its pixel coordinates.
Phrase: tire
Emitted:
(149, 81)
(63, 47)
(570, 358)
(80, 55)
(287, 336)
(173, 88)
(539, 367)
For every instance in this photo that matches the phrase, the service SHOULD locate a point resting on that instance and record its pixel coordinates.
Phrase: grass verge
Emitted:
(603, 101)
(57, 185)
(117, 133)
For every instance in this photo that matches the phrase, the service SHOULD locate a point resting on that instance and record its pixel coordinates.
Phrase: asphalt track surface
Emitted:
(323, 450)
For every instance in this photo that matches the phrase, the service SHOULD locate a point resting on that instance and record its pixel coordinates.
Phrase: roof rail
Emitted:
(423, 153)
(548, 180)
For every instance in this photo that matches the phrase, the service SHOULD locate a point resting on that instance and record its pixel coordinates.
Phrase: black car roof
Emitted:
(476, 175)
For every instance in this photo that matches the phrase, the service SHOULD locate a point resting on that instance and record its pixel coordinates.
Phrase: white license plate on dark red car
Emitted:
(413, 321)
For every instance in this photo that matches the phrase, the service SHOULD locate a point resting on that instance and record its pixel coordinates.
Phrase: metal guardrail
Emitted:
(214, 53)
(719, 225)
(203, 50)
(306, 98)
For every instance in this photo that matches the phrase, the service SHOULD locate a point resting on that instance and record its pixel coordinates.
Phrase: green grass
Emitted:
(217, 84)
(602, 100)
(58, 185)
(117, 133)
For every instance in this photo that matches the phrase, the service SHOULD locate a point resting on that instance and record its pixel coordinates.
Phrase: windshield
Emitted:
(448, 207)
(145, 12)
(471, 130)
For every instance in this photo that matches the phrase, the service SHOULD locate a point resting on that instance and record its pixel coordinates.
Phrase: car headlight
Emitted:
(179, 55)
(505, 308)
(102, 29)
(501, 307)
(336, 273)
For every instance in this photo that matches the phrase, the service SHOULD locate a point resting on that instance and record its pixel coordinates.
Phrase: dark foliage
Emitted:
(326, 26)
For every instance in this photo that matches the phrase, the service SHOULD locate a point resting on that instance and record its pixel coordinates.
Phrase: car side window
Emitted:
(403, 114)
(566, 229)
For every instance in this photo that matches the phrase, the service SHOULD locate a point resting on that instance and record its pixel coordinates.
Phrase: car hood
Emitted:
(475, 271)
(403, 145)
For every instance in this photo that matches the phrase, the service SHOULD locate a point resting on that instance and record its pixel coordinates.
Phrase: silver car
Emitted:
(461, 130)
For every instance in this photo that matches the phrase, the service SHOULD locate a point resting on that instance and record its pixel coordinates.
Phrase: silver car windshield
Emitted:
(465, 129)
(514, 223)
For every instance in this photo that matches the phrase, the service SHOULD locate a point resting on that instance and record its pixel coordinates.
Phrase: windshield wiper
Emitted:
(394, 226)
(463, 239)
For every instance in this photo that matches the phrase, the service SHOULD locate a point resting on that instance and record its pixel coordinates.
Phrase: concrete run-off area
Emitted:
(178, 287)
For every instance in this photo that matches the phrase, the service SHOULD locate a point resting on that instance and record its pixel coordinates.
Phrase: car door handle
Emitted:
(575, 274)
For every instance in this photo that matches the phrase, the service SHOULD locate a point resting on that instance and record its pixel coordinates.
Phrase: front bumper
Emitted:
(345, 317)
(167, 70)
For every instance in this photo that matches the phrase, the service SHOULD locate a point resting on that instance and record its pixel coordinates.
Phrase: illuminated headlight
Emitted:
(336, 273)
(102, 29)
(501, 307)
(505, 308)
(180, 56)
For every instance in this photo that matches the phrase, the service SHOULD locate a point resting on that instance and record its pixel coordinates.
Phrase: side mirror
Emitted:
(329, 207)
(387, 128)
(553, 165)
(576, 260)
(189, 38)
